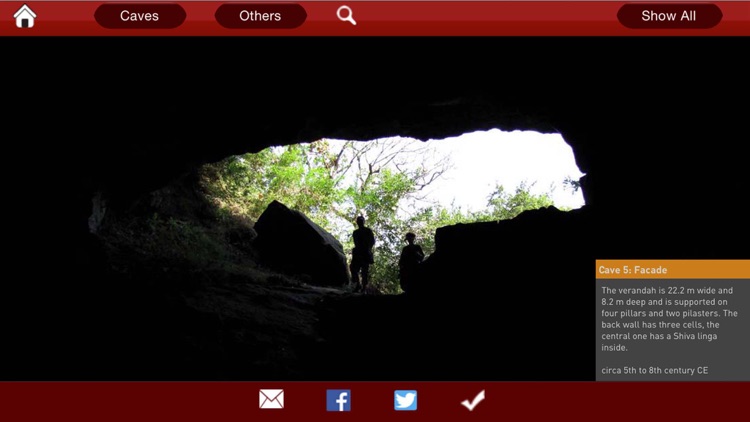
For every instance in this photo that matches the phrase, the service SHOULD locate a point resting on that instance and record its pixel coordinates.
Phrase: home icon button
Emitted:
(25, 17)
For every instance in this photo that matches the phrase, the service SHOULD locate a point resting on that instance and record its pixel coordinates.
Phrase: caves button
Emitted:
(140, 15)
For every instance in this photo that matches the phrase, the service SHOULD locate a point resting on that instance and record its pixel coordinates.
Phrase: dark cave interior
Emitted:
(661, 145)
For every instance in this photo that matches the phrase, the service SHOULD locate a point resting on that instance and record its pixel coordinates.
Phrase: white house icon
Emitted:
(25, 17)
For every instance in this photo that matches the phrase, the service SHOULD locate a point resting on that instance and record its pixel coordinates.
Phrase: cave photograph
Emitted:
(424, 209)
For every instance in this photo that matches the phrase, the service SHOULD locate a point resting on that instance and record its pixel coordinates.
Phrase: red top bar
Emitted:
(372, 18)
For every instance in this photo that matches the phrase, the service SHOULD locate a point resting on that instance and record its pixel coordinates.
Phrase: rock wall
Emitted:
(291, 243)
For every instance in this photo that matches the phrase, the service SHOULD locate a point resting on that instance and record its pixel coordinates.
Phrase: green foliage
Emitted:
(333, 186)
(168, 239)
(244, 185)
(238, 185)
(384, 272)
(504, 206)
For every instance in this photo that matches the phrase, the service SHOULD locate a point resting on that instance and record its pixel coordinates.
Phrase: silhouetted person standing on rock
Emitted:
(411, 256)
(362, 257)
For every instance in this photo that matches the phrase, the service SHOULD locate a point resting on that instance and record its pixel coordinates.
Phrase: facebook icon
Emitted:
(338, 400)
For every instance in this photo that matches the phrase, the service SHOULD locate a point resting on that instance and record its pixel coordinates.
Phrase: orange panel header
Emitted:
(672, 268)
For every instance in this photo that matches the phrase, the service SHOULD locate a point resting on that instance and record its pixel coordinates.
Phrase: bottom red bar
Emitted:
(370, 401)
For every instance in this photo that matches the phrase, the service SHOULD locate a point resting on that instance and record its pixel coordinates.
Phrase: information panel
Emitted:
(672, 320)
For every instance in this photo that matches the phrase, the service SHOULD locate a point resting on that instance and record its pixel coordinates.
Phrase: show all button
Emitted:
(670, 16)
(140, 15)
(260, 16)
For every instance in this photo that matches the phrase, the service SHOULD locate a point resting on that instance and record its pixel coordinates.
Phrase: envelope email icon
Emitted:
(271, 399)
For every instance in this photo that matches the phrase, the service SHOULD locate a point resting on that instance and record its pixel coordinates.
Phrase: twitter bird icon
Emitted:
(405, 400)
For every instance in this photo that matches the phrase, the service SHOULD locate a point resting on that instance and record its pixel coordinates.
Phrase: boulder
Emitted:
(291, 243)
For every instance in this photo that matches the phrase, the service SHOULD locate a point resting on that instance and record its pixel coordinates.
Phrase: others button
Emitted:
(140, 15)
(670, 16)
(260, 16)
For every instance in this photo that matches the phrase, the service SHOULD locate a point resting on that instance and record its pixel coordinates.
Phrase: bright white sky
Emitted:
(483, 159)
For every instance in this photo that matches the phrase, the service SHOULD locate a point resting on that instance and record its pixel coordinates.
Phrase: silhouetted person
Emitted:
(411, 256)
(362, 256)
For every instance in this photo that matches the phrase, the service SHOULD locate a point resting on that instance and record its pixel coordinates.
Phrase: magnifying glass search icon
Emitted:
(344, 14)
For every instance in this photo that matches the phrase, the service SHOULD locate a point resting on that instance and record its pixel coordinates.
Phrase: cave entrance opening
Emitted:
(400, 185)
